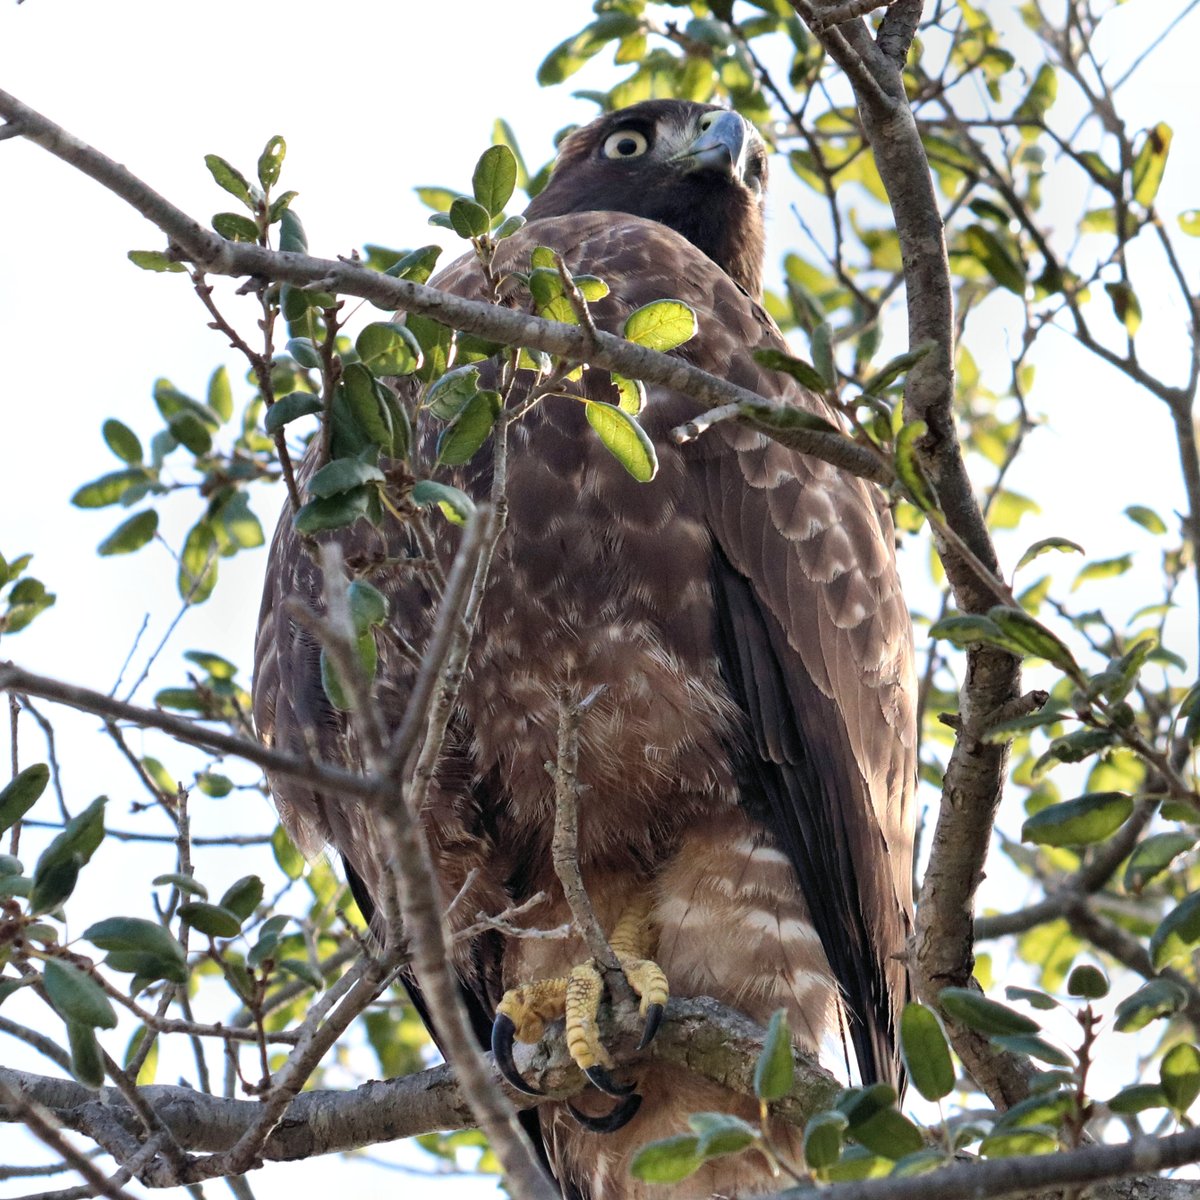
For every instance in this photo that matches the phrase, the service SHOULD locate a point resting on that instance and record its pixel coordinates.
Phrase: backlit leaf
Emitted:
(130, 535)
(625, 439)
(926, 1053)
(1080, 822)
(662, 325)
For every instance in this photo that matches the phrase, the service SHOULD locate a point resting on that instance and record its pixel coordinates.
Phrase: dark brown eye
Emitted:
(625, 143)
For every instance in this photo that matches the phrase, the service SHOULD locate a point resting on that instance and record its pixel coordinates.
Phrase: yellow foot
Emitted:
(524, 1012)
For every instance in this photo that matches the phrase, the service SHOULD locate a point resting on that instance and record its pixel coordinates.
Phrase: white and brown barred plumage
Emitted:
(750, 753)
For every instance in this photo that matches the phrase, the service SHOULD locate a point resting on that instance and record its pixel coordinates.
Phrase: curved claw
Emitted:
(600, 1078)
(654, 1016)
(503, 1031)
(612, 1121)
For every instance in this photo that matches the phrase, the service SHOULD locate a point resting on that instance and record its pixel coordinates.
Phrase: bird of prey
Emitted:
(736, 625)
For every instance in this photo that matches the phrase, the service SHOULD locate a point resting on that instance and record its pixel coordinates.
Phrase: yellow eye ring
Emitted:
(625, 143)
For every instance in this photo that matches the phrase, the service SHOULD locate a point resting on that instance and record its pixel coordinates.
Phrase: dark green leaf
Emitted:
(1065, 545)
(20, 794)
(334, 512)
(235, 228)
(293, 405)
(52, 885)
(776, 1066)
(343, 475)
(243, 897)
(1034, 638)
(368, 606)
(494, 179)
(365, 401)
(87, 1065)
(1157, 998)
(821, 344)
(1034, 1047)
(968, 1007)
(468, 219)
(187, 884)
(305, 352)
(662, 325)
(270, 160)
(1177, 933)
(823, 1139)
(1137, 1098)
(1087, 982)
(79, 839)
(388, 348)
(291, 233)
(1180, 1076)
(279, 206)
(668, 1161)
(625, 439)
(925, 1051)
(211, 919)
(416, 265)
(1038, 999)
(966, 630)
(130, 535)
(154, 260)
(122, 441)
(894, 368)
(721, 1133)
(448, 394)
(198, 564)
(508, 227)
(108, 489)
(230, 178)
(996, 257)
(1080, 822)
(77, 996)
(1152, 856)
(303, 970)
(797, 368)
(460, 440)
(456, 505)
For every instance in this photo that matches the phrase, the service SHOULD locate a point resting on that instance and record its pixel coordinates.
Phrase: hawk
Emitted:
(747, 753)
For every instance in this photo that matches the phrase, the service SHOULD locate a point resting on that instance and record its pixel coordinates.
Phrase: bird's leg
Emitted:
(524, 1011)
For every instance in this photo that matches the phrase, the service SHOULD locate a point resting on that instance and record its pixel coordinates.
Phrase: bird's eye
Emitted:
(625, 143)
(706, 120)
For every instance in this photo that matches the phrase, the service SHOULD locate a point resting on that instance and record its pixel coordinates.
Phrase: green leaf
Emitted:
(20, 794)
(1137, 1098)
(508, 227)
(214, 664)
(1177, 933)
(156, 260)
(996, 258)
(1151, 858)
(823, 1136)
(1149, 163)
(1108, 568)
(220, 395)
(668, 1161)
(122, 441)
(279, 206)
(662, 325)
(966, 631)
(1189, 222)
(1087, 982)
(211, 919)
(631, 394)
(968, 1007)
(908, 466)
(1126, 307)
(292, 237)
(625, 440)
(821, 344)
(305, 352)
(1015, 1142)
(291, 407)
(1080, 822)
(494, 179)
(388, 348)
(288, 858)
(804, 373)
(77, 996)
(1017, 626)
(1040, 96)
(468, 219)
(52, 885)
(925, 1051)
(455, 504)
(416, 265)
(448, 395)
(1154, 999)
(87, 1065)
(895, 367)
(332, 513)
(368, 606)
(235, 228)
(108, 489)
(463, 437)
(1032, 996)
(343, 475)
(1180, 1076)
(437, 198)
(303, 970)
(776, 1066)
(882, 1128)
(366, 405)
(1034, 1047)
(183, 699)
(368, 659)
(270, 160)
(186, 884)
(79, 840)
(149, 1068)
(1147, 518)
(230, 178)
(130, 535)
(198, 564)
(1064, 545)
(243, 897)
(721, 1133)
(214, 785)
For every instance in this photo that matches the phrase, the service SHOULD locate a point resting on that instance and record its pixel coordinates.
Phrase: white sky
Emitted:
(373, 99)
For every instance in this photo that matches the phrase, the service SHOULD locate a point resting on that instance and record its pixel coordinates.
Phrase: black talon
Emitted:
(503, 1030)
(612, 1121)
(654, 1016)
(600, 1078)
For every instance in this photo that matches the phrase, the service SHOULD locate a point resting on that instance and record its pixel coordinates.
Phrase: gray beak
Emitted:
(721, 147)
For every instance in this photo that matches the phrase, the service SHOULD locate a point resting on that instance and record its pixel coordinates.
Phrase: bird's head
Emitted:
(698, 168)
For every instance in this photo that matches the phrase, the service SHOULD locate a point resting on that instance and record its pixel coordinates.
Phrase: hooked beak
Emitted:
(721, 147)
